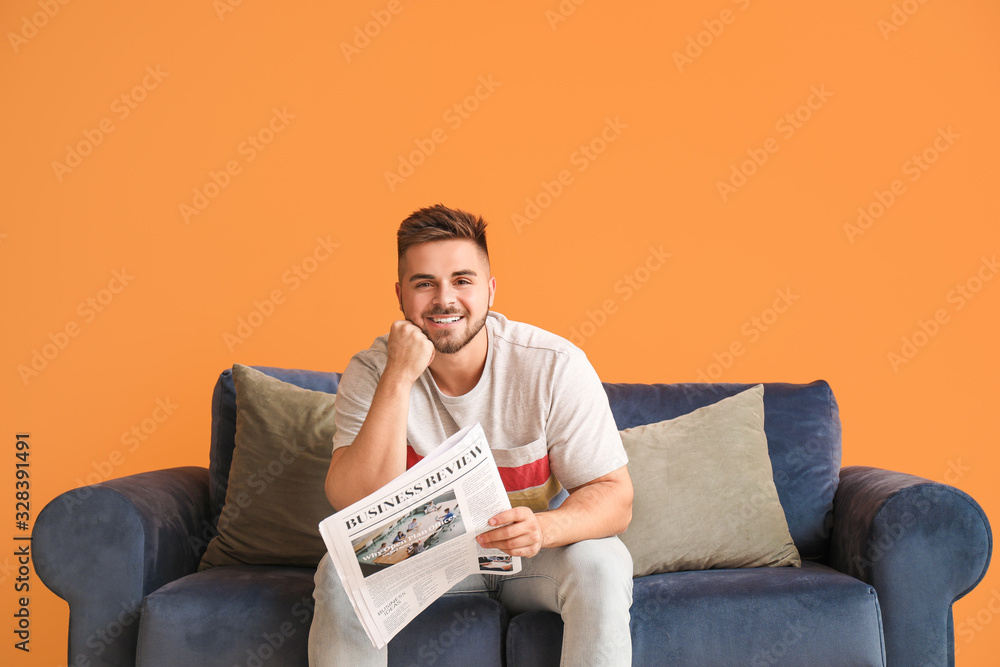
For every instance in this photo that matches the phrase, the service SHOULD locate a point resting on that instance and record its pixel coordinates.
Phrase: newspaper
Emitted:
(405, 545)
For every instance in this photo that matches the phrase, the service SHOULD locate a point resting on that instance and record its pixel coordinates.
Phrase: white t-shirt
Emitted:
(540, 402)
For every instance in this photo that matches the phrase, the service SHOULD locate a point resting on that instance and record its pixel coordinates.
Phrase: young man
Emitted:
(450, 363)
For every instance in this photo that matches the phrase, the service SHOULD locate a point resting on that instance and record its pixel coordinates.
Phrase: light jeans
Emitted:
(588, 583)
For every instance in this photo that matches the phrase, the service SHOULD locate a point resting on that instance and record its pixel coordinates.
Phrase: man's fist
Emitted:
(410, 350)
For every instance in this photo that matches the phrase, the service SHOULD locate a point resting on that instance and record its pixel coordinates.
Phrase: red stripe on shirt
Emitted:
(527, 476)
(412, 458)
(516, 478)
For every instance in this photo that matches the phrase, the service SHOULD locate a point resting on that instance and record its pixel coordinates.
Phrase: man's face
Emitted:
(441, 281)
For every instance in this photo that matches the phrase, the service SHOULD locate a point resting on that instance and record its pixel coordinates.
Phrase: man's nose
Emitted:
(444, 296)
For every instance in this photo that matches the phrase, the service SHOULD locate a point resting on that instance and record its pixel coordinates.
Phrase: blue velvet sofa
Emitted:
(885, 554)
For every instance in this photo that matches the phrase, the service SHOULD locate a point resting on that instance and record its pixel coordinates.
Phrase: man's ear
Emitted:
(493, 290)
(399, 295)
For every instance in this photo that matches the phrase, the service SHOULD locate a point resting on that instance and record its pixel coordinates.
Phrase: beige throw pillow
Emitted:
(704, 491)
(276, 497)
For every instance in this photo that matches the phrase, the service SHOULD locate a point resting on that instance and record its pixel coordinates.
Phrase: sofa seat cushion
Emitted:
(751, 616)
(261, 615)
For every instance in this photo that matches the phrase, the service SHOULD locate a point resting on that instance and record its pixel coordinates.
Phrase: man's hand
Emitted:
(410, 351)
(599, 508)
(522, 536)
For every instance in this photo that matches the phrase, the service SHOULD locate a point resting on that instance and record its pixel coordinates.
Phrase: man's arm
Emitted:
(599, 508)
(378, 453)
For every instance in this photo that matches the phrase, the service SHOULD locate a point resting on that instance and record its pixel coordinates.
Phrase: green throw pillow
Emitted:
(276, 497)
(704, 491)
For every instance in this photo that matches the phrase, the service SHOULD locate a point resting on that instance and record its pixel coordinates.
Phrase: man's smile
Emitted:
(444, 321)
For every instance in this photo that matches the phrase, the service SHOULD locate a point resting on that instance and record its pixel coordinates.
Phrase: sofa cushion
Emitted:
(802, 425)
(755, 617)
(275, 499)
(704, 493)
(261, 615)
(224, 422)
(231, 615)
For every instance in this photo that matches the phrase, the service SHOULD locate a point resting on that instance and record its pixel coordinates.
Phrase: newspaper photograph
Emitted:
(402, 547)
(430, 524)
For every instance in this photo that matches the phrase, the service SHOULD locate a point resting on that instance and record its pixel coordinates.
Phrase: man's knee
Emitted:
(602, 567)
(602, 558)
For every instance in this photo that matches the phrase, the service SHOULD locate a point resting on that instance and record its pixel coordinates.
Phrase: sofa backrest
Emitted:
(801, 421)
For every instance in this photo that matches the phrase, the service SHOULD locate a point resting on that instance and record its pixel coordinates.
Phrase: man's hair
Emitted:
(440, 223)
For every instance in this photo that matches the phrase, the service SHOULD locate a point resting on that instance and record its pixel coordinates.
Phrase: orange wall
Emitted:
(206, 152)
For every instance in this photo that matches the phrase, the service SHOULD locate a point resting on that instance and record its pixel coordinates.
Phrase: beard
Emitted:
(448, 341)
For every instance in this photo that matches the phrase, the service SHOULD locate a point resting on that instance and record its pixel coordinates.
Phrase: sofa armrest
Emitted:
(921, 544)
(103, 548)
